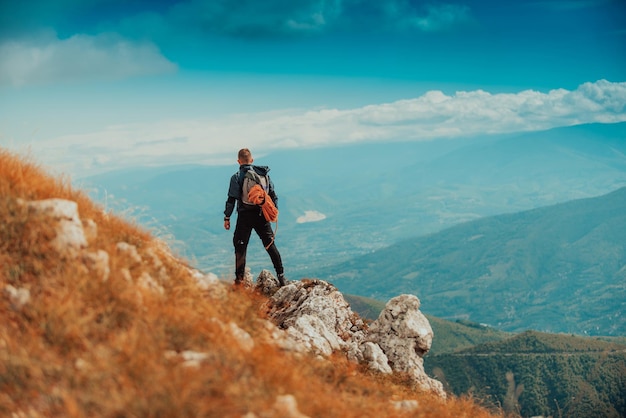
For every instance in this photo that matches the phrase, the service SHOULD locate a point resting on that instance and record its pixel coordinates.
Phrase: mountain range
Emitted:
(560, 268)
(369, 197)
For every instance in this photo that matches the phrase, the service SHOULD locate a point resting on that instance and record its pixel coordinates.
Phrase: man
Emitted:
(250, 217)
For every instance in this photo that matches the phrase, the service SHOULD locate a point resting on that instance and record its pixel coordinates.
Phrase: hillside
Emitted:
(552, 374)
(111, 324)
(539, 342)
(560, 268)
(537, 374)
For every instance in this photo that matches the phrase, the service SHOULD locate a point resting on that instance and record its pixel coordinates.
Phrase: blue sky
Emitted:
(93, 85)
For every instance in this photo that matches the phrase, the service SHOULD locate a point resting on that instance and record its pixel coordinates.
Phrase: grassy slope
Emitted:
(86, 347)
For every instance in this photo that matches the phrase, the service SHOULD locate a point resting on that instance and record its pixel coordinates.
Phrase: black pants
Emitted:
(247, 220)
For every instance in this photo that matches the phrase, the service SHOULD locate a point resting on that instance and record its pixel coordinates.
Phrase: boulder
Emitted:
(62, 214)
(98, 263)
(405, 336)
(19, 297)
(266, 283)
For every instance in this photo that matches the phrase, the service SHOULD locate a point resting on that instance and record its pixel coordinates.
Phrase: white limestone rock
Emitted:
(315, 313)
(98, 263)
(19, 297)
(286, 406)
(266, 283)
(129, 254)
(375, 357)
(407, 405)
(245, 341)
(63, 215)
(90, 228)
(189, 358)
(148, 282)
(405, 336)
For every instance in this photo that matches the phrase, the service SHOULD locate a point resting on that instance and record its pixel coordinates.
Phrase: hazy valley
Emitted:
(376, 195)
(559, 268)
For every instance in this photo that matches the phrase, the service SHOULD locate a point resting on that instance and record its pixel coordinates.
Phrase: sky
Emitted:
(89, 86)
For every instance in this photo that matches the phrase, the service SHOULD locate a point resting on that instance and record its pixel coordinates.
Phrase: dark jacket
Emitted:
(236, 182)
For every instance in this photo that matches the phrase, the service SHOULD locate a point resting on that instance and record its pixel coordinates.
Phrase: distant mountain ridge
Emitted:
(372, 194)
(559, 268)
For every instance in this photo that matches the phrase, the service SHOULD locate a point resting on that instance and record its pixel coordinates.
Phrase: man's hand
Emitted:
(227, 224)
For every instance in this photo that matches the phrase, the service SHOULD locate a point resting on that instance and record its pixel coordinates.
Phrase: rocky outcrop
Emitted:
(405, 336)
(314, 314)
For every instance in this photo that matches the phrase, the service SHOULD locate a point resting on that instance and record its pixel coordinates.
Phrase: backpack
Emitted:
(251, 179)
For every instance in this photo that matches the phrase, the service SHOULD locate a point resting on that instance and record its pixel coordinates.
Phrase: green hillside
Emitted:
(539, 342)
(560, 268)
(537, 374)
(367, 308)
(527, 374)
(451, 336)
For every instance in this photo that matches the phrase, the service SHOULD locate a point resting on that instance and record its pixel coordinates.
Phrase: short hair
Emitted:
(244, 155)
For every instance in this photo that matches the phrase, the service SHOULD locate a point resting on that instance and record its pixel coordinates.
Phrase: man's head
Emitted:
(245, 156)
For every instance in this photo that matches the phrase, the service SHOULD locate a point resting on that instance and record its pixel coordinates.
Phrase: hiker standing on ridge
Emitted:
(250, 214)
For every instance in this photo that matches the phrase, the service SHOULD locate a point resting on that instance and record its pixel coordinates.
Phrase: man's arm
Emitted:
(272, 193)
(230, 204)
(234, 190)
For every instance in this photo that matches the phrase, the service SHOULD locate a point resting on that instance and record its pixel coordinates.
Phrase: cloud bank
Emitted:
(48, 59)
(125, 45)
(431, 116)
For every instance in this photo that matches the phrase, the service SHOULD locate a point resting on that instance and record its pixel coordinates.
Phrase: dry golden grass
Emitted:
(85, 347)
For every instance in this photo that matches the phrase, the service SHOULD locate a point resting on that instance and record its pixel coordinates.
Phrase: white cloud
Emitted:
(431, 116)
(49, 59)
(310, 216)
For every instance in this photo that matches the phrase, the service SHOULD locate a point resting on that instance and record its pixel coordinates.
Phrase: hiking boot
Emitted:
(239, 283)
(282, 280)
